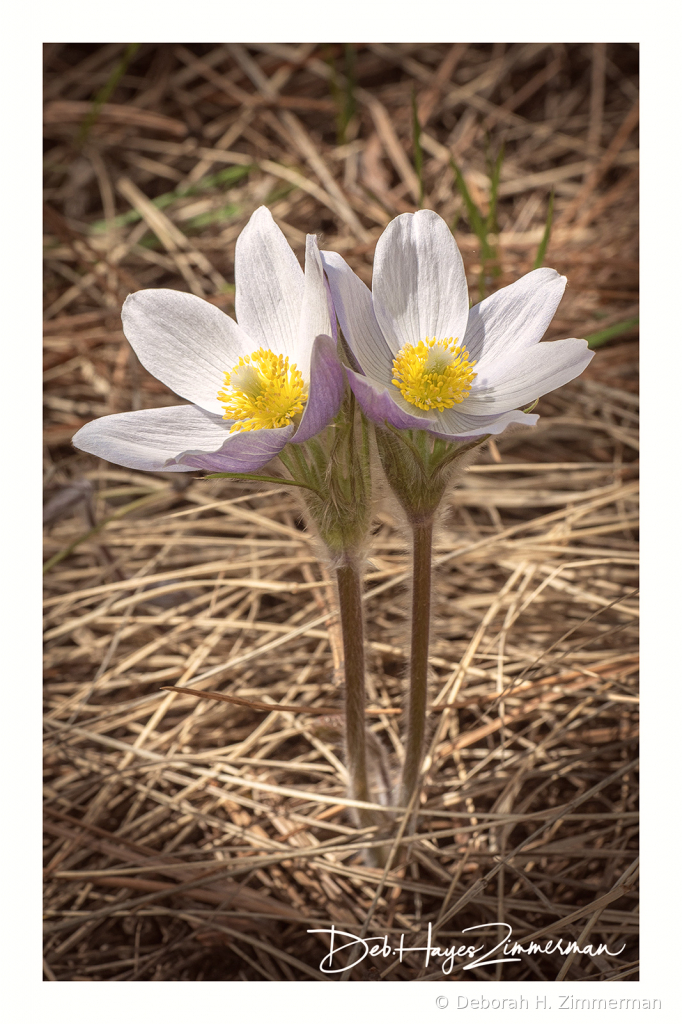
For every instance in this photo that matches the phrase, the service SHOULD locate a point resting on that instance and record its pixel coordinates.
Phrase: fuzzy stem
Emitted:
(349, 587)
(422, 535)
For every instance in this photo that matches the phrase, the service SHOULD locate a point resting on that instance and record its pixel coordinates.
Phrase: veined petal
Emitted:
(327, 383)
(353, 306)
(525, 375)
(184, 341)
(377, 402)
(148, 439)
(269, 284)
(514, 317)
(419, 285)
(454, 424)
(242, 452)
(330, 309)
(315, 318)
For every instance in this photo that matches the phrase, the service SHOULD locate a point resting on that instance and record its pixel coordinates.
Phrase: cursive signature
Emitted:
(464, 955)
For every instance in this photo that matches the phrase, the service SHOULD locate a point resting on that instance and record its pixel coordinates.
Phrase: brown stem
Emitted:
(349, 588)
(422, 535)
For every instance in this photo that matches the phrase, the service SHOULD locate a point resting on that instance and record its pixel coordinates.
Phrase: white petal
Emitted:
(454, 423)
(185, 342)
(269, 284)
(149, 438)
(523, 376)
(315, 319)
(419, 285)
(514, 317)
(353, 306)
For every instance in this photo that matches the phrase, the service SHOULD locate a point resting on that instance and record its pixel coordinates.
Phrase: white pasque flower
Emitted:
(427, 361)
(272, 378)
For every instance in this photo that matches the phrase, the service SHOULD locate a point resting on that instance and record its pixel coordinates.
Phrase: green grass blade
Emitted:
(600, 338)
(282, 481)
(337, 95)
(473, 213)
(494, 171)
(477, 223)
(349, 57)
(542, 248)
(493, 267)
(226, 178)
(202, 220)
(106, 91)
(344, 97)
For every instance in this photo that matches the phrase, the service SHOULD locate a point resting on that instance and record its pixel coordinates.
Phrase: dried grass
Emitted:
(192, 839)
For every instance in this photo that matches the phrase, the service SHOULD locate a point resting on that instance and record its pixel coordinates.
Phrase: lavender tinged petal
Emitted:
(184, 341)
(269, 286)
(245, 451)
(148, 439)
(377, 403)
(327, 383)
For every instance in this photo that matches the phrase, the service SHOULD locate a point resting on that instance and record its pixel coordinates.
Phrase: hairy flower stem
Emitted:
(422, 536)
(418, 467)
(349, 586)
(337, 498)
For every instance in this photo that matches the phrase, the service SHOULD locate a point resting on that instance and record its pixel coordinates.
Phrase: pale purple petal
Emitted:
(327, 383)
(148, 439)
(377, 403)
(353, 306)
(184, 341)
(245, 451)
(269, 284)
(315, 319)
(514, 317)
(523, 376)
(419, 285)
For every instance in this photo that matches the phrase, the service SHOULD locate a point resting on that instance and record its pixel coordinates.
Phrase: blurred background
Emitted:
(156, 155)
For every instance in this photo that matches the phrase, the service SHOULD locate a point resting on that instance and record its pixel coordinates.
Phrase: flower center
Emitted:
(263, 391)
(433, 374)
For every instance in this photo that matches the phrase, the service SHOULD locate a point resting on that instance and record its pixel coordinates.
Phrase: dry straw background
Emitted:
(188, 839)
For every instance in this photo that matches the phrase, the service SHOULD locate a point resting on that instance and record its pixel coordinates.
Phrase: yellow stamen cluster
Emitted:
(433, 374)
(263, 391)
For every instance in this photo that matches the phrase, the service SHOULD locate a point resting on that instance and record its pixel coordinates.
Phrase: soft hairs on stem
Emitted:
(422, 535)
(349, 589)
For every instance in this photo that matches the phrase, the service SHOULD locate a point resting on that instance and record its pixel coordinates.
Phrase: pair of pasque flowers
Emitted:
(421, 358)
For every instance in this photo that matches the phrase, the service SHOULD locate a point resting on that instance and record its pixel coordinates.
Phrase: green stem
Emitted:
(349, 587)
(422, 535)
